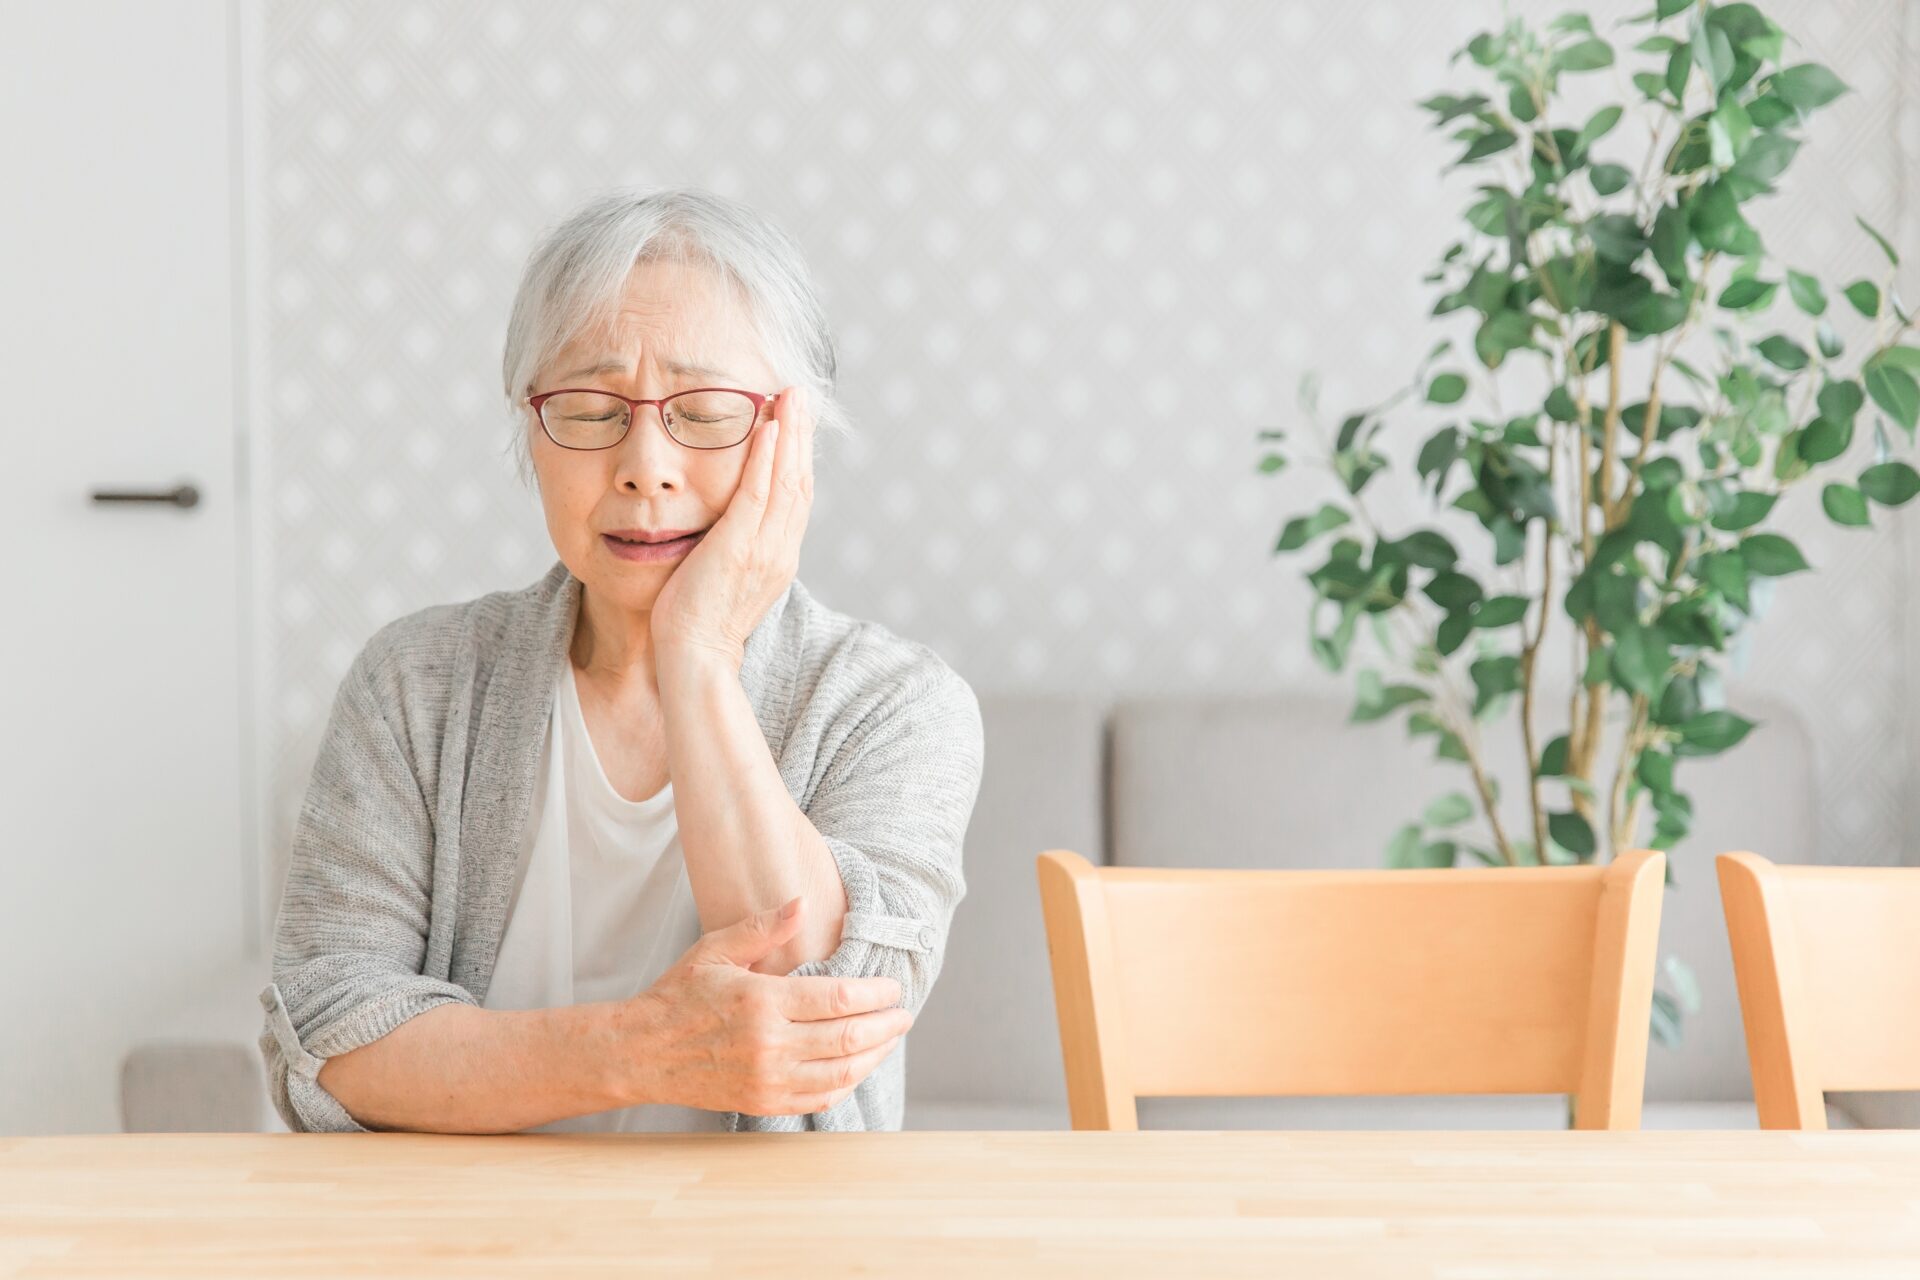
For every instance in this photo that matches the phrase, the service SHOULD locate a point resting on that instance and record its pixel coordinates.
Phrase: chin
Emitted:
(629, 584)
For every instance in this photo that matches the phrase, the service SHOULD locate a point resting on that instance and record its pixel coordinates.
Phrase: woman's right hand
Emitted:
(713, 1034)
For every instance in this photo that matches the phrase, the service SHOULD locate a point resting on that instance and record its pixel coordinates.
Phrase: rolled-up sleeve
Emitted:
(893, 806)
(351, 936)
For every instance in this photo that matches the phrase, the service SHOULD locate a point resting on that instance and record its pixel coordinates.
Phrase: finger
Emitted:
(830, 1075)
(802, 506)
(749, 502)
(818, 996)
(751, 939)
(773, 520)
(839, 1037)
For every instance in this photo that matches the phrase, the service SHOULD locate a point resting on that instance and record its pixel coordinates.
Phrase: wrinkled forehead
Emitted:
(683, 315)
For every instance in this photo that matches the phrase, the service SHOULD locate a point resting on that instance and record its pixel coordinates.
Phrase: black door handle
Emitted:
(183, 495)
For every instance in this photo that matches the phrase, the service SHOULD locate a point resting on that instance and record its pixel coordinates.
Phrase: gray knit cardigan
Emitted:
(404, 853)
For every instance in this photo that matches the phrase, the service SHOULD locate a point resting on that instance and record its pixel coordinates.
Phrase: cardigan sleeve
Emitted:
(893, 806)
(351, 935)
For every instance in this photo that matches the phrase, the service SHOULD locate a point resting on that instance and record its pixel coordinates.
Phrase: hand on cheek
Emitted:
(722, 589)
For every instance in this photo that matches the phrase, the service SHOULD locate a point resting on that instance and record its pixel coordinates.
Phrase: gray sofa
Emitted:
(1249, 781)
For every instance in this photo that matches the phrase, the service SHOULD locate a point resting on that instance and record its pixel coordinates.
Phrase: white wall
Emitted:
(1076, 254)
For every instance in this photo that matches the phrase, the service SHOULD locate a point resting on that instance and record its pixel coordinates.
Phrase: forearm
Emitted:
(461, 1069)
(748, 846)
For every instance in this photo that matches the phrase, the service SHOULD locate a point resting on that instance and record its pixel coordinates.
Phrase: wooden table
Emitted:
(1158, 1203)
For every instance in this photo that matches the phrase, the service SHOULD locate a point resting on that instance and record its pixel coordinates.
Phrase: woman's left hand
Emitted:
(721, 590)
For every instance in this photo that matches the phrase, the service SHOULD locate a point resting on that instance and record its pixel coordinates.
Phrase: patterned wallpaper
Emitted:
(1076, 254)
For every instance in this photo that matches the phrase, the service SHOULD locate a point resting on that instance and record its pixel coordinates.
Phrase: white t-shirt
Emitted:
(602, 904)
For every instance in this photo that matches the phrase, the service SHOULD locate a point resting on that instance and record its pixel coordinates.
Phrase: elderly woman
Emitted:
(659, 842)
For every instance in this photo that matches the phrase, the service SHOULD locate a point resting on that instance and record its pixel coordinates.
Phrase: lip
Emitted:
(673, 547)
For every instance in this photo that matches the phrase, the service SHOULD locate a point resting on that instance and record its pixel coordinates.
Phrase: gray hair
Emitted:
(576, 276)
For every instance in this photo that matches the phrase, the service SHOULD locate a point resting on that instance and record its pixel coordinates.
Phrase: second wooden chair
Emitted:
(1216, 983)
(1828, 964)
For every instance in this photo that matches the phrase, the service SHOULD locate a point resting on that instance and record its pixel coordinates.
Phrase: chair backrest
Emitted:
(1827, 960)
(1261, 982)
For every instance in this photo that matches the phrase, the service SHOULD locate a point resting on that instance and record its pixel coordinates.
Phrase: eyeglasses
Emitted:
(703, 418)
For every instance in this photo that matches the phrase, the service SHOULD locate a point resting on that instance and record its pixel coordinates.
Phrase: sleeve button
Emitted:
(926, 935)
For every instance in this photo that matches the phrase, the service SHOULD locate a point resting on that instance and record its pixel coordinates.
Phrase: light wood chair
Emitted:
(1217, 983)
(1827, 961)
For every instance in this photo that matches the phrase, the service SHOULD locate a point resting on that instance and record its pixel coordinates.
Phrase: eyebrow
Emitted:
(679, 368)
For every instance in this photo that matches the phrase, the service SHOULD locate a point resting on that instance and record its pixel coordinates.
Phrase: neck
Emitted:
(613, 643)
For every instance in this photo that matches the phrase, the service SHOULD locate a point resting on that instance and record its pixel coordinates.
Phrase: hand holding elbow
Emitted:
(712, 1033)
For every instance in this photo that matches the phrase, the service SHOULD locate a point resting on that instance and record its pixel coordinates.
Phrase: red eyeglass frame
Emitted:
(633, 413)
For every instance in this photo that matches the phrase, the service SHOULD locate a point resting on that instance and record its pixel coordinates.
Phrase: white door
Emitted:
(125, 898)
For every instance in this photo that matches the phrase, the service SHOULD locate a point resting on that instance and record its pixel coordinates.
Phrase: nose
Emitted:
(647, 458)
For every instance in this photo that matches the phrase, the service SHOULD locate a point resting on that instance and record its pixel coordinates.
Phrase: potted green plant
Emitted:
(1625, 421)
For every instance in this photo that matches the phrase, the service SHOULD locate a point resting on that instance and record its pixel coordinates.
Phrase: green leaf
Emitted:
(1865, 297)
(1685, 985)
(1768, 555)
(1427, 548)
(1807, 293)
(1597, 126)
(1726, 573)
(1729, 130)
(1713, 53)
(1664, 1021)
(1641, 659)
(1553, 760)
(1446, 388)
(1807, 86)
(1608, 178)
(1655, 770)
(1784, 351)
(1571, 832)
(1824, 440)
(1454, 592)
(1679, 67)
(1891, 484)
(1655, 313)
(1748, 509)
(1845, 504)
(1447, 811)
(1827, 339)
(1493, 677)
(1303, 529)
(1586, 55)
(1711, 732)
(1747, 294)
(1446, 107)
(1840, 399)
(1272, 463)
(1714, 212)
(1878, 239)
(1404, 847)
(1894, 390)
(1616, 237)
(1765, 159)
(1490, 143)
(1500, 611)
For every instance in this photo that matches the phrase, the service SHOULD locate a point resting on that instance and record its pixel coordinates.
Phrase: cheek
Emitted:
(716, 479)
